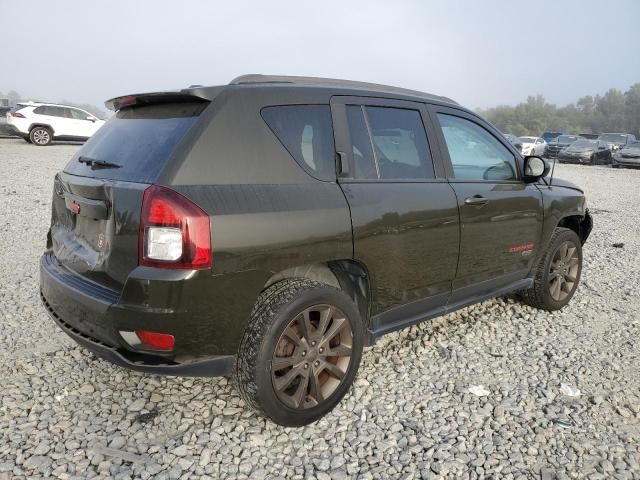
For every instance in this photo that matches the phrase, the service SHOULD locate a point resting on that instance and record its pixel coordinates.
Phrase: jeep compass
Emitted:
(271, 228)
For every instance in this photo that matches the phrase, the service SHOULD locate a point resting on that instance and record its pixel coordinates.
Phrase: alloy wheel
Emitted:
(564, 270)
(312, 357)
(41, 136)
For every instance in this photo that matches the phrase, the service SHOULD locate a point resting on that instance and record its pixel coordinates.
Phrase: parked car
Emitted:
(515, 141)
(551, 135)
(533, 146)
(41, 123)
(4, 128)
(627, 156)
(592, 152)
(617, 141)
(561, 142)
(237, 237)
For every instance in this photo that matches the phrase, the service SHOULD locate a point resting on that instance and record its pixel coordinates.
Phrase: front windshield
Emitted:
(632, 145)
(613, 138)
(584, 144)
(528, 139)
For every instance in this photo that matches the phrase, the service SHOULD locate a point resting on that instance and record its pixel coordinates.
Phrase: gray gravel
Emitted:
(411, 413)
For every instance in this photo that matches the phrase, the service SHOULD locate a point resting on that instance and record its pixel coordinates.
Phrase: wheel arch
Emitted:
(580, 224)
(40, 124)
(348, 275)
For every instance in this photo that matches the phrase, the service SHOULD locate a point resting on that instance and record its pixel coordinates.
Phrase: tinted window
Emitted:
(364, 165)
(140, 139)
(306, 132)
(474, 152)
(400, 143)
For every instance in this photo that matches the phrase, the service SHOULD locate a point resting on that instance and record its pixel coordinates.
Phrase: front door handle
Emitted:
(476, 200)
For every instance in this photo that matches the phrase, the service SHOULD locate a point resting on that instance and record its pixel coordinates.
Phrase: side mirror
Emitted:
(534, 169)
(91, 119)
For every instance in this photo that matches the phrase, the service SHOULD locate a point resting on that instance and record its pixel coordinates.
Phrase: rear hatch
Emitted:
(98, 197)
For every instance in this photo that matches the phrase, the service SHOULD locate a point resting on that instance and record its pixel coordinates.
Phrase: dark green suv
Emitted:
(271, 228)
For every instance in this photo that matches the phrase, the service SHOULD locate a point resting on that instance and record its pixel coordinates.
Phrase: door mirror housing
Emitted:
(91, 118)
(535, 168)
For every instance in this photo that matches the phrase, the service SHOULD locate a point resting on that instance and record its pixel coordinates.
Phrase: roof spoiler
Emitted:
(196, 94)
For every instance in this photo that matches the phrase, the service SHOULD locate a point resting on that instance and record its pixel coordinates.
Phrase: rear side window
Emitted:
(306, 132)
(139, 139)
(400, 143)
(388, 143)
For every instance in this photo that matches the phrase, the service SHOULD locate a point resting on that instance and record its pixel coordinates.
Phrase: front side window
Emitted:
(306, 132)
(475, 153)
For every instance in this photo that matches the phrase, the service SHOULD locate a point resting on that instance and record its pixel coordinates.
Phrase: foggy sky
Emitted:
(480, 53)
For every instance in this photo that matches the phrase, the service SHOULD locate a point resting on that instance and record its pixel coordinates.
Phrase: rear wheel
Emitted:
(41, 136)
(558, 273)
(27, 139)
(300, 352)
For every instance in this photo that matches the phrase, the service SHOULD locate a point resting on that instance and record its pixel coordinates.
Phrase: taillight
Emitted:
(174, 231)
(17, 115)
(160, 341)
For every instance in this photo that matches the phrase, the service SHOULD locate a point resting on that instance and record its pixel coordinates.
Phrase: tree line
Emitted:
(615, 111)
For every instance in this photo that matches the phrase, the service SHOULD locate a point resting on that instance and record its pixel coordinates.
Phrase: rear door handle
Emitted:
(476, 200)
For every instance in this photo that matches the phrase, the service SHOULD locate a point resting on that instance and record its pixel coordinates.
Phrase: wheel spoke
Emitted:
(571, 250)
(284, 381)
(337, 325)
(301, 392)
(572, 262)
(334, 370)
(563, 251)
(339, 351)
(278, 363)
(292, 336)
(315, 390)
(325, 316)
(570, 278)
(305, 324)
(555, 288)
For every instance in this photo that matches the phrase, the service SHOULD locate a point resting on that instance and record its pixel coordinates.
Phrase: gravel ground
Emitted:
(411, 413)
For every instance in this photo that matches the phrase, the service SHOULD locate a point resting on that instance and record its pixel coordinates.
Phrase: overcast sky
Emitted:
(479, 53)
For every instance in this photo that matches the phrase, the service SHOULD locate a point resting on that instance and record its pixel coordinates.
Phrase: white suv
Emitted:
(41, 123)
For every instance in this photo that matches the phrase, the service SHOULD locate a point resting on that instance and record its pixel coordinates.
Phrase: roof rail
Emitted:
(330, 82)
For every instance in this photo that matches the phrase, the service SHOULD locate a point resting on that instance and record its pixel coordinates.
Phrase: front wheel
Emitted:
(40, 136)
(558, 274)
(300, 352)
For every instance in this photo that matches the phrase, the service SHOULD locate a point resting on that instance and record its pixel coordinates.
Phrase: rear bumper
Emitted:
(91, 315)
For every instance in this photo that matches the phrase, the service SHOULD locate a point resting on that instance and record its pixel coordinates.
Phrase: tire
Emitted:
(594, 159)
(615, 165)
(543, 293)
(279, 314)
(27, 139)
(41, 136)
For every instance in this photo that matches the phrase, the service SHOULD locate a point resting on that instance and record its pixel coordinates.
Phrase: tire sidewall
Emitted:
(567, 235)
(266, 396)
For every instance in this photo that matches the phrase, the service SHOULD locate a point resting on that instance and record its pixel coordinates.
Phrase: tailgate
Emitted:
(94, 227)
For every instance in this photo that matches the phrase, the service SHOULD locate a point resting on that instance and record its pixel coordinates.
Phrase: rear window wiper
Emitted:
(92, 162)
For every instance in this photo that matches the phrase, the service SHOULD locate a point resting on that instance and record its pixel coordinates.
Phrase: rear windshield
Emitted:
(138, 139)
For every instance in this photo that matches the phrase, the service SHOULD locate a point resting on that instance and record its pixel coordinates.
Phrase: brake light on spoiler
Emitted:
(174, 232)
